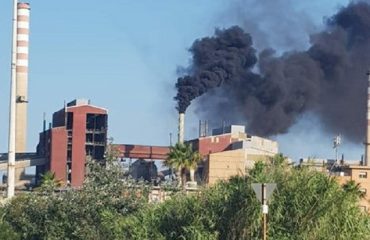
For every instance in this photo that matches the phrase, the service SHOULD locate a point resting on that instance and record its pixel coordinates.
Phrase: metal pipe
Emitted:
(367, 143)
(12, 109)
(200, 128)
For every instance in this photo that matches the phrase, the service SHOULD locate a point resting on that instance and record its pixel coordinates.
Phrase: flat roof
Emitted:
(357, 167)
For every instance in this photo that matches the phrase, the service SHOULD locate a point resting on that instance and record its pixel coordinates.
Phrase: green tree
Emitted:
(306, 205)
(355, 188)
(192, 164)
(77, 213)
(6, 231)
(183, 158)
(49, 182)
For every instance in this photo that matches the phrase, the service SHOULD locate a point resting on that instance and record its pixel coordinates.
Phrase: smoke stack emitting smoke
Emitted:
(270, 92)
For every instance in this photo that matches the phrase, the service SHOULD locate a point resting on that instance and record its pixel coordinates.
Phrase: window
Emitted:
(362, 175)
(69, 120)
(363, 190)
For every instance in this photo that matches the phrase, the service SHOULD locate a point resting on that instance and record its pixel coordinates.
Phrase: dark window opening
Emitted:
(69, 120)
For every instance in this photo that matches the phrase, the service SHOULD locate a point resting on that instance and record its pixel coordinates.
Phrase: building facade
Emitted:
(230, 151)
(344, 171)
(359, 174)
(78, 132)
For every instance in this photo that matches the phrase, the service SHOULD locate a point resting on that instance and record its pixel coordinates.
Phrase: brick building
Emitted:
(78, 130)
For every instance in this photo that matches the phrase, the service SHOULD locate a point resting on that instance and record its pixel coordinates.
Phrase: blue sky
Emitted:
(123, 55)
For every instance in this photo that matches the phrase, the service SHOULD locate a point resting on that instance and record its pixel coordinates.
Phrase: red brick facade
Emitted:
(78, 130)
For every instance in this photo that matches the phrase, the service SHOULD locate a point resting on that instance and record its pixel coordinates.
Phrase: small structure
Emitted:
(145, 170)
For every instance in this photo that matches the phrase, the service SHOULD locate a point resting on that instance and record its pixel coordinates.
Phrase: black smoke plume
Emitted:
(328, 79)
(216, 61)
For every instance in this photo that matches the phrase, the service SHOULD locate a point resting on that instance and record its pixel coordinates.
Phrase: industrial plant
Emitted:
(79, 130)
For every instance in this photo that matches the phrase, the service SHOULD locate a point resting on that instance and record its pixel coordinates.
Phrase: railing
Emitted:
(95, 143)
(91, 130)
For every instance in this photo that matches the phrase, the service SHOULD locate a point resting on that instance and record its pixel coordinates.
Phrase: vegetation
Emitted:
(184, 159)
(49, 182)
(306, 205)
(76, 214)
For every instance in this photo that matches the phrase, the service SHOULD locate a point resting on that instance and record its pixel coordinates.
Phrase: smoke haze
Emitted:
(270, 92)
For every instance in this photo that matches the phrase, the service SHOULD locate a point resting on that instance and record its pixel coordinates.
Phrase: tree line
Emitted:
(306, 205)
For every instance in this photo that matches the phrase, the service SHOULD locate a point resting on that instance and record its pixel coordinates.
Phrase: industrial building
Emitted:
(78, 132)
(230, 151)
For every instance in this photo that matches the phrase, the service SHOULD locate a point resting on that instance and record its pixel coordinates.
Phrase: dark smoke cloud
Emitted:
(260, 19)
(216, 61)
(327, 79)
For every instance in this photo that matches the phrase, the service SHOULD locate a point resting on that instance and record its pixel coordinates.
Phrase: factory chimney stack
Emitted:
(181, 127)
(23, 14)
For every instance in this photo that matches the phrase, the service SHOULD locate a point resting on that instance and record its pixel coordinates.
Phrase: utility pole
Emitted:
(263, 192)
(12, 108)
(264, 212)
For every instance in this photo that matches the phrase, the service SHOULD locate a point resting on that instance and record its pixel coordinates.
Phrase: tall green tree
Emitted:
(183, 158)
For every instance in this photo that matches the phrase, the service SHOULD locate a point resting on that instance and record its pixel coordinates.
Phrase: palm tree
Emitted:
(183, 158)
(353, 187)
(192, 164)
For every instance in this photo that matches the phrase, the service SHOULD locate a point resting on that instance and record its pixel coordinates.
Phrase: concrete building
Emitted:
(78, 131)
(231, 151)
(361, 175)
(344, 171)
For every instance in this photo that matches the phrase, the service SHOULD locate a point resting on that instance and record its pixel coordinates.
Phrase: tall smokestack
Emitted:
(23, 12)
(367, 143)
(181, 127)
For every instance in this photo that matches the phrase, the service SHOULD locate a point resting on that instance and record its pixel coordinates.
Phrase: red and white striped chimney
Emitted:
(22, 75)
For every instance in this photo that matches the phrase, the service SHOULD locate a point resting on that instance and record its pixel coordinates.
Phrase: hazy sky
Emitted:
(123, 55)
